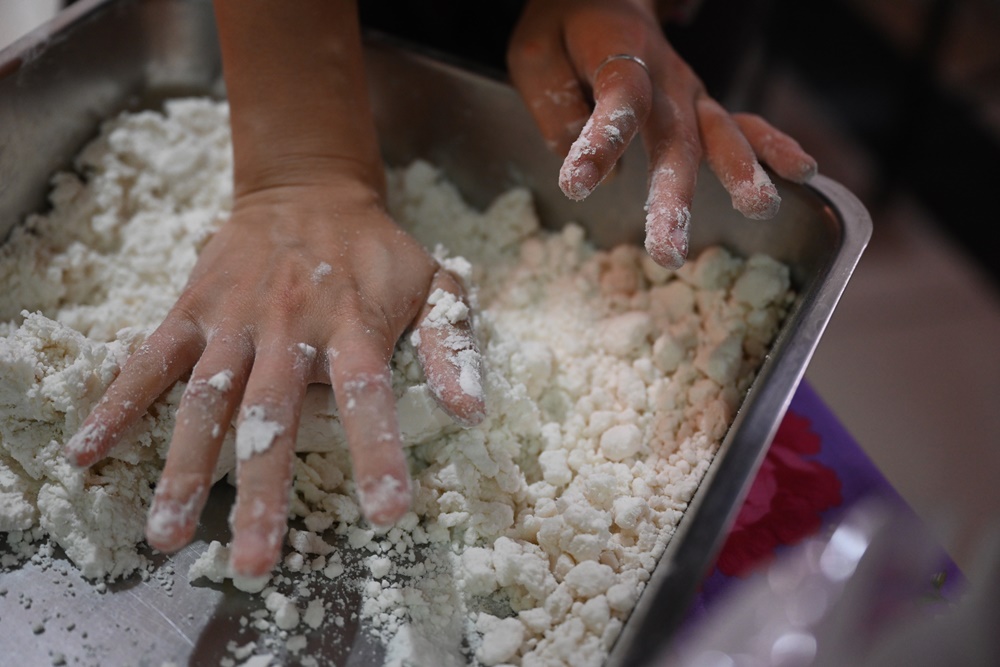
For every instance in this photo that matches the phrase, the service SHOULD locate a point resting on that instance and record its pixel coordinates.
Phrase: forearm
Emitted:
(297, 90)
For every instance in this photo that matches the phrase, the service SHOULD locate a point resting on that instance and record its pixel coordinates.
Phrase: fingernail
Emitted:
(84, 444)
(667, 236)
(253, 552)
(757, 203)
(808, 170)
(577, 180)
(384, 500)
(469, 414)
(756, 198)
(668, 219)
(170, 520)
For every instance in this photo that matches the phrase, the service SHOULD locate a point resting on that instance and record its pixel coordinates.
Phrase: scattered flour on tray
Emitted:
(609, 382)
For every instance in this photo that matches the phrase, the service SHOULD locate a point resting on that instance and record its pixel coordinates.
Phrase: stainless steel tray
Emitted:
(100, 56)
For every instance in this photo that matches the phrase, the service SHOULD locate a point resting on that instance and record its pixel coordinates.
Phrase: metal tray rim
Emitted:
(714, 507)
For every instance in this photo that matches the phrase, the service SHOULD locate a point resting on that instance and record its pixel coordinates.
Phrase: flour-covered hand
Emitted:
(301, 285)
(308, 281)
(595, 73)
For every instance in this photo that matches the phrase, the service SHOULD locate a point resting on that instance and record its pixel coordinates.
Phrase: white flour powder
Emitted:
(609, 383)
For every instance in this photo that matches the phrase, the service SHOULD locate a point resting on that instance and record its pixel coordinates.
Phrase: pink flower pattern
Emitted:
(785, 502)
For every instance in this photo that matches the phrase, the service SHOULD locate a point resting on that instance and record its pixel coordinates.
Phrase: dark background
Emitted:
(916, 83)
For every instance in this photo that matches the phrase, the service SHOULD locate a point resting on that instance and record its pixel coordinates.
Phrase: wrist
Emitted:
(342, 182)
(286, 170)
(298, 97)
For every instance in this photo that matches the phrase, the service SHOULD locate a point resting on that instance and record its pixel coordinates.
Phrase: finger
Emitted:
(265, 450)
(161, 360)
(733, 160)
(777, 149)
(674, 157)
(623, 96)
(543, 74)
(206, 410)
(448, 351)
(362, 385)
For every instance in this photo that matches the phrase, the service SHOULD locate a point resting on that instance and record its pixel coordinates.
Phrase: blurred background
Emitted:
(899, 100)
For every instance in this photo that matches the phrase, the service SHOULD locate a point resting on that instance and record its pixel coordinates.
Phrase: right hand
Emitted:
(559, 61)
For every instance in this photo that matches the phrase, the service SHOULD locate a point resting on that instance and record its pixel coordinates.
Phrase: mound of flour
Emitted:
(609, 382)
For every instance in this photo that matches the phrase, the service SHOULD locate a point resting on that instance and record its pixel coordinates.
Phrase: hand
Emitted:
(305, 283)
(559, 59)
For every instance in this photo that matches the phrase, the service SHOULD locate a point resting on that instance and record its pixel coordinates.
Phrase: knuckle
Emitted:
(268, 404)
(291, 297)
(524, 51)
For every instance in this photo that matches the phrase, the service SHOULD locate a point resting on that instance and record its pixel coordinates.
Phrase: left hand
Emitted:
(305, 283)
(560, 57)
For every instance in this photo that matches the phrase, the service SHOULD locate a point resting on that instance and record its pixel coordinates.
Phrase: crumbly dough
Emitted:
(609, 384)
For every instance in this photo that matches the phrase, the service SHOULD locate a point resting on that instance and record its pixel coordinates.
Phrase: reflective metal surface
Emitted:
(99, 57)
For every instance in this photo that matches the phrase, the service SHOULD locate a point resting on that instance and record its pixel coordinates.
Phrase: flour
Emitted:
(256, 432)
(221, 381)
(609, 383)
(321, 271)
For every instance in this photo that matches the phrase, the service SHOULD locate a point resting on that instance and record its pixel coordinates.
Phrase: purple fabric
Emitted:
(859, 479)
